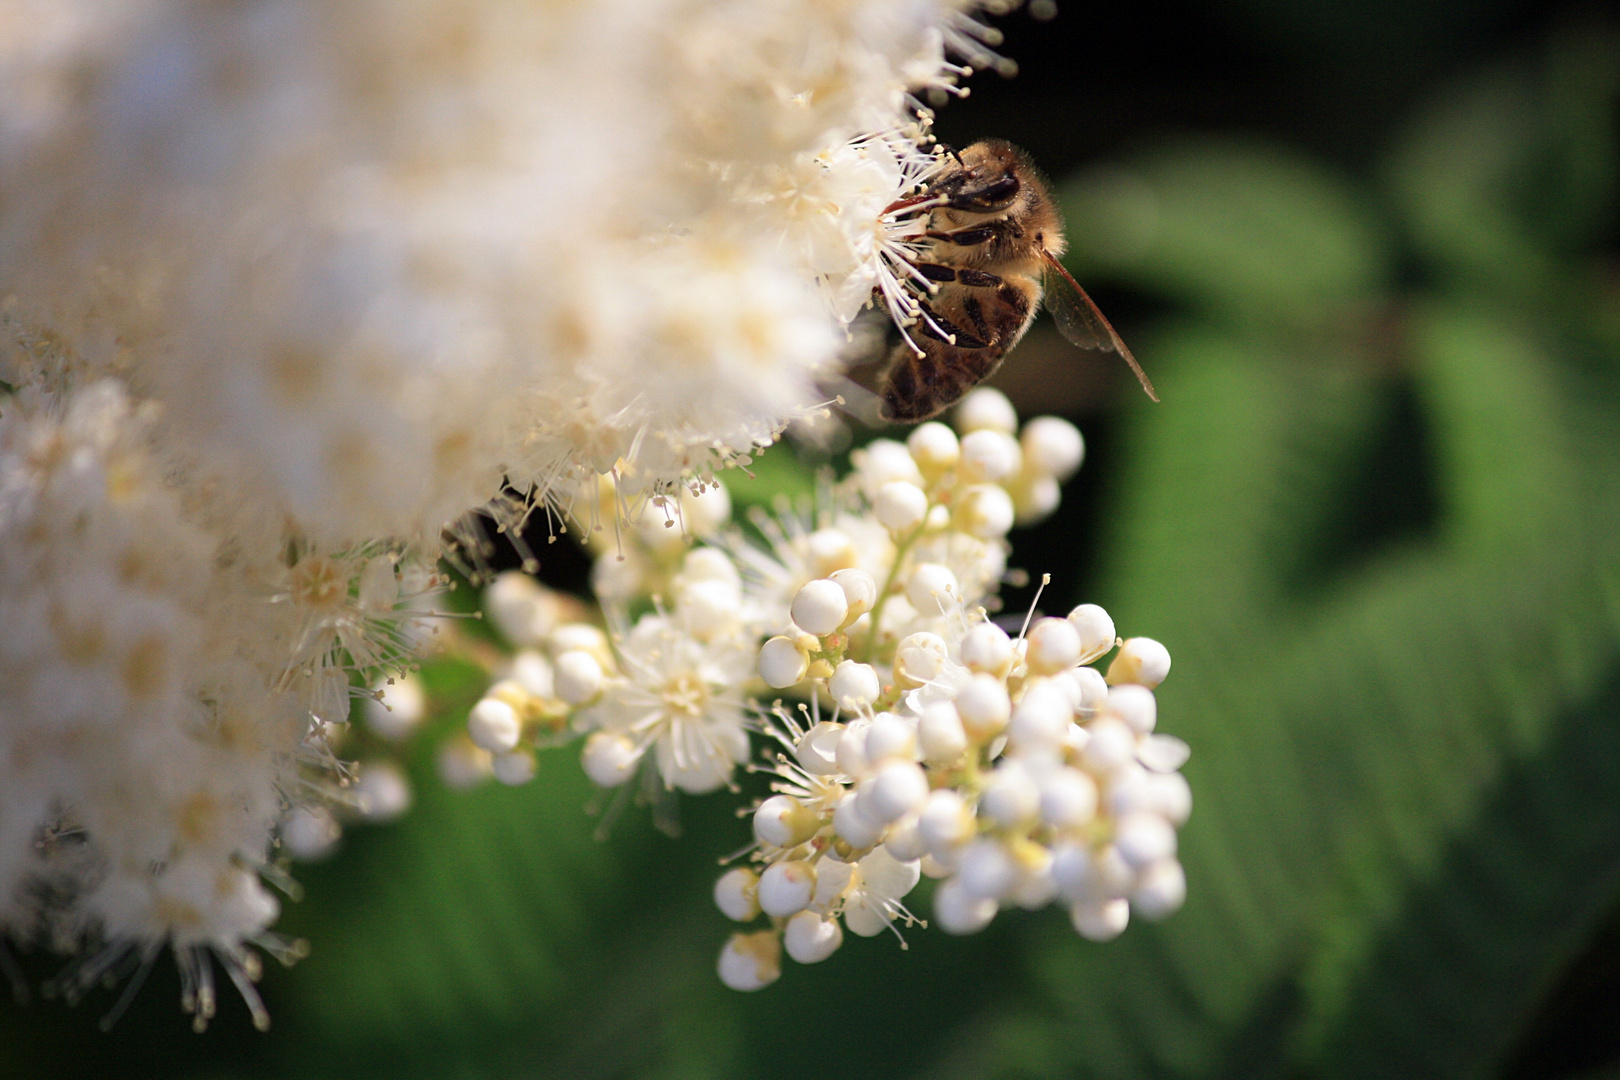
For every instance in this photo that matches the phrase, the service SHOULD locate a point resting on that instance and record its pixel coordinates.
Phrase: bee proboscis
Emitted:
(990, 252)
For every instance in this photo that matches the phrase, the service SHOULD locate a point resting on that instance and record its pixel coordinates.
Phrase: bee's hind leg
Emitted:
(977, 279)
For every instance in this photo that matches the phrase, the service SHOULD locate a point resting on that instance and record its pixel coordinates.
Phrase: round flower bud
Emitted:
(932, 589)
(461, 764)
(734, 894)
(853, 826)
(1041, 720)
(854, 686)
(919, 659)
(381, 793)
(1035, 498)
(785, 888)
(707, 511)
(309, 833)
(830, 550)
(609, 759)
(986, 647)
(709, 564)
(900, 506)
(945, 824)
(934, 448)
(522, 609)
(1112, 745)
(1140, 660)
(783, 821)
(899, 788)
(751, 961)
(940, 735)
(1163, 753)
(1096, 631)
(890, 736)
(986, 868)
(988, 457)
(493, 725)
(984, 708)
(781, 664)
(903, 841)
(851, 749)
(1135, 705)
(817, 749)
(533, 673)
(860, 591)
(398, 709)
(1010, 797)
(1052, 447)
(1171, 796)
(708, 608)
(820, 607)
(1068, 799)
(984, 511)
(1144, 838)
(577, 677)
(882, 460)
(584, 637)
(1161, 890)
(810, 938)
(958, 911)
(985, 408)
(1091, 690)
(1054, 646)
(514, 769)
(1102, 920)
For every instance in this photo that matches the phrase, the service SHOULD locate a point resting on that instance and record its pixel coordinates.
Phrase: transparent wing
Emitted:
(1079, 320)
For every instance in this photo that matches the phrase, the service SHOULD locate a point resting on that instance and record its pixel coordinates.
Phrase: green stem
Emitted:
(888, 585)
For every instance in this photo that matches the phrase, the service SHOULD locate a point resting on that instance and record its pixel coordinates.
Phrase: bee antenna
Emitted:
(951, 150)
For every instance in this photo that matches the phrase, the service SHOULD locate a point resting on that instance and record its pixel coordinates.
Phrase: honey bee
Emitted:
(992, 240)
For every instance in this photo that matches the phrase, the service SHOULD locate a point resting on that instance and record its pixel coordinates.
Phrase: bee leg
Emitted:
(934, 325)
(935, 272)
(965, 237)
(977, 279)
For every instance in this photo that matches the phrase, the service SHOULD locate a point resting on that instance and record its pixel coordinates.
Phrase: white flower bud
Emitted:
(515, 768)
(984, 708)
(309, 833)
(1010, 798)
(820, 607)
(781, 664)
(783, 821)
(1035, 498)
(707, 511)
(903, 841)
(609, 759)
(581, 636)
(851, 748)
(462, 765)
(1163, 753)
(709, 609)
(830, 550)
(934, 448)
(1112, 745)
(958, 911)
(919, 659)
(1052, 447)
(987, 648)
(860, 591)
(402, 706)
(1102, 920)
(810, 938)
(577, 677)
(381, 793)
(986, 868)
(493, 725)
(734, 894)
(817, 749)
(940, 735)
(881, 461)
(1054, 646)
(709, 564)
(853, 826)
(1068, 799)
(988, 457)
(1091, 690)
(1140, 660)
(854, 686)
(984, 511)
(533, 673)
(945, 824)
(1161, 890)
(932, 589)
(900, 506)
(751, 961)
(1083, 875)
(1041, 720)
(890, 736)
(785, 888)
(1135, 705)
(522, 609)
(1096, 631)
(1171, 796)
(1144, 838)
(899, 788)
(985, 408)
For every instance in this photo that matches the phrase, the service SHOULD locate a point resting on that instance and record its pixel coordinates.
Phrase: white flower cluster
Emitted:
(289, 289)
(1006, 766)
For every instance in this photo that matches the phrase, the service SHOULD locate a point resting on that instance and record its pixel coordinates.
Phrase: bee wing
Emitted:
(1079, 320)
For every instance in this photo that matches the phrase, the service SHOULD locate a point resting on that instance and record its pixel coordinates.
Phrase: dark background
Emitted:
(1367, 253)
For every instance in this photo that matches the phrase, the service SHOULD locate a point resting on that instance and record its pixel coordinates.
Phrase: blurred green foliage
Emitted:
(1376, 523)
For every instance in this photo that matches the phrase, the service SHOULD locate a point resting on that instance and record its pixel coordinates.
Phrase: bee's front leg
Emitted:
(977, 279)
